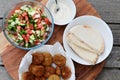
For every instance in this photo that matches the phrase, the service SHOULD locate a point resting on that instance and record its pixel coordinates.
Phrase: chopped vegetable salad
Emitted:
(30, 24)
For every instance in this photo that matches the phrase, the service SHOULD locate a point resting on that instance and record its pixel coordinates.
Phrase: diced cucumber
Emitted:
(31, 12)
(43, 16)
(35, 25)
(14, 16)
(21, 24)
(17, 11)
(11, 28)
(12, 37)
(31, 41)
(17, 21)
(26, 44)
(12, 23)
(42, 32)
(47, 29)
(25, 7)
(33, 31)
(19, 41)
(20, 37)
(32, 37)
(35, 20)
(41, 39)
(43, 23)
(37, 16)
(38, 32)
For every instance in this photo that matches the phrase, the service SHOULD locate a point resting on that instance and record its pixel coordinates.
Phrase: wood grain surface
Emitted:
(12, 56)
(108, 9)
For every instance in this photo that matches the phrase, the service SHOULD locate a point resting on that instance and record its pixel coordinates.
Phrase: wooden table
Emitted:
(110, 12)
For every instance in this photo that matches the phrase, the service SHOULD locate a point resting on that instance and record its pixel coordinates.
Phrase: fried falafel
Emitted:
(28, 76)
(37, 70)
(48, 59)
(38, 58)
(66, 72)
(54, 77)
(48, 71)
(59, 60)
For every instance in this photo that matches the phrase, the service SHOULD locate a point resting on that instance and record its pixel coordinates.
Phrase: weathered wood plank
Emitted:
(109, 10)
(4, 75)
(113, 60)
(116, 33)
(1, 61)
(0, 23)
(109, 74)
(5, 4)
(106, 74)
(114, 26)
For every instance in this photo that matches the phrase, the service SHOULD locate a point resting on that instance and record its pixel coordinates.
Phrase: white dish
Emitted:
(97, 24)
(52, 49)
(61, 17)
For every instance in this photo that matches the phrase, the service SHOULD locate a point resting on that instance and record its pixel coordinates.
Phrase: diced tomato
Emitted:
(15, 34)
(47, 21)
(28, 36)
(26, 27)
(39, 21)
(36, 42)
(42, 28)
(31, 26)
(29, 31)
(26, 18)
(20, 17)
(18, 28)
(24, 14)
(25, 38)
(39, 26)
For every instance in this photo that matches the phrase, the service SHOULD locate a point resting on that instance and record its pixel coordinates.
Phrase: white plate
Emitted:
(97, 24)
(52, 49)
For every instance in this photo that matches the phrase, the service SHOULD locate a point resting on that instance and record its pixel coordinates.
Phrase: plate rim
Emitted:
(69, 26)
(30, 52)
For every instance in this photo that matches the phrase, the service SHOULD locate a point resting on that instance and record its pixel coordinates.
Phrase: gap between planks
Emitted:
(109, 74)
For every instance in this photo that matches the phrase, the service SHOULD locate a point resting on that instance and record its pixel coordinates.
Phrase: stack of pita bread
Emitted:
(87, 42)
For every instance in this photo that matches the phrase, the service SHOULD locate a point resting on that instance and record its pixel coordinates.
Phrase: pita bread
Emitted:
(86, 55)
(87, 38)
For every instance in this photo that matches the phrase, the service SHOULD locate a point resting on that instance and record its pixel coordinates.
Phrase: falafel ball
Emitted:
(28, 76)
(40, 78)
(66, 72)
(31, 66)
(37, 58)
(54, 77)
(59, 60)
(48, 71)
(48, 59)
(38, 70)
(58, 71)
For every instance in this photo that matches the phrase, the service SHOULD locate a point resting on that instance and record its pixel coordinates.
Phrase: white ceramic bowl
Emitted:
(70, 4)
(97, 24)
(52, 49)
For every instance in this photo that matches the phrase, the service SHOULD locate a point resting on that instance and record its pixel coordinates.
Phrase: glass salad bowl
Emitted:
(28, 25)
